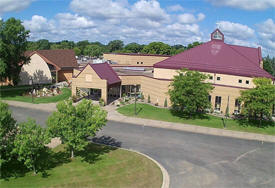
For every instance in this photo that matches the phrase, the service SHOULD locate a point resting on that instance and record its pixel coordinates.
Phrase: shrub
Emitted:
(101, 102)
(74, 98)
(165, 103)
(149, 99)
(142, 96)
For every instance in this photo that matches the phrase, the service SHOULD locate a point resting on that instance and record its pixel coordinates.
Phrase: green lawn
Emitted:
(99, 166)
(16, 94)
(151, 112)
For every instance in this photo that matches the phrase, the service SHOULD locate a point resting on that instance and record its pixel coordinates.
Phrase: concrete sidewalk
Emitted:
(49, 107)
(113, 115)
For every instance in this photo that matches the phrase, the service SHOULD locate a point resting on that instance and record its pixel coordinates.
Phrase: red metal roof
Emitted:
(105, 72)
(218, 57)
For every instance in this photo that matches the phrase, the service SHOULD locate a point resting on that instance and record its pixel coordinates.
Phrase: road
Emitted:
(192, 160)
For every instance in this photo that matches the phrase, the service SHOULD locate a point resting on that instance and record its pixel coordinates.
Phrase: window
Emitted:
(211, 77)
(218, 78)
(88, 77)
(247, 81)
(237, 106)
(218, 102)
(137, 62)
(209, 98)
(217, 35)
(141, 62)
(240, 81)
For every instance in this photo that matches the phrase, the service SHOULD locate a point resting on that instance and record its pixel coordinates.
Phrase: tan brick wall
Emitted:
(225, 92)
(156, 88)
(158, 91)
(132, 60)
(130, 80)
(83, 81)
(228, 80)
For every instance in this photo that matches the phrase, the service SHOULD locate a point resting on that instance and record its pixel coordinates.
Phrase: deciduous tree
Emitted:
(257, 102)
(133, 47)
(74, 124)
(29, 144)
(269, 65)
(7, 133)
(93, 51)
(13, 44)
(189, 92)
(157, 48)
(115, 45)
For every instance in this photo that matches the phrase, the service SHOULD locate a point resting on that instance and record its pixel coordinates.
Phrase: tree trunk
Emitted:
(34, 170)
(261, 118)
(72, 153)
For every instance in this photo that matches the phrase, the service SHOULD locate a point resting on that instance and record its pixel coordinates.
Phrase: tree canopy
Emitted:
(29, 144)
(74, 124)
(7, 133)
(257, 102)
(189, 93)
(269, 65)
(157, 48)
(93, 51)
(115, 45)
(133, 48)
(13, 44)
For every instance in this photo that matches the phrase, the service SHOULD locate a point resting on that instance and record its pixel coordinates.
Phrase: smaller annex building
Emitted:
(48, 66)
(231, 69)
(100, 80)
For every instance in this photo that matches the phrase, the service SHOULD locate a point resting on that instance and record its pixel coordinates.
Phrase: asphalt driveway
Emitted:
(192, 160)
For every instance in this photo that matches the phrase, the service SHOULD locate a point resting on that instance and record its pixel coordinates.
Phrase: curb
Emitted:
(195, 129)
(165, 175)
(50, 107)
(47, 107)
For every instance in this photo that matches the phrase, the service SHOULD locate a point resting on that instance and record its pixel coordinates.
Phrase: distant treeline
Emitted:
(96, 49)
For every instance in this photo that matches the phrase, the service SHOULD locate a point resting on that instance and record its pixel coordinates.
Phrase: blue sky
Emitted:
(244, 22)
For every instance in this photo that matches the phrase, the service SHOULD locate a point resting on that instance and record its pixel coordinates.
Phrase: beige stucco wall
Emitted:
(96, 82)
(228, 80)
(38, 69)
(133, 59)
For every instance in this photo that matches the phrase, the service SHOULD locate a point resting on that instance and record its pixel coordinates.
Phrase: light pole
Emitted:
(31, 82)
(135, 99)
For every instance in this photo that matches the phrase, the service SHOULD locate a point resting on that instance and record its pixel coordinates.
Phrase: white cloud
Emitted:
(245, 4)
(103, 20)
(148, 9)
(13, 5)
(266, 32)
(190, 18)
(101, 9)
(71, 21)
(201, 16)
(236, 30)
(38, 24)
(175, 8)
